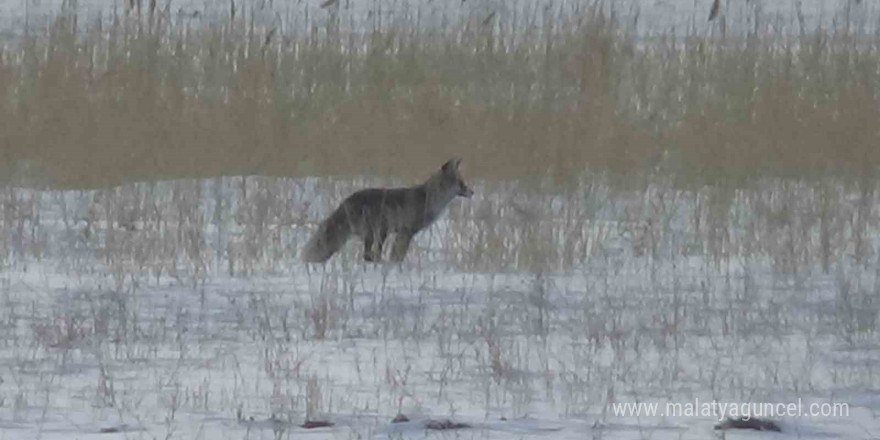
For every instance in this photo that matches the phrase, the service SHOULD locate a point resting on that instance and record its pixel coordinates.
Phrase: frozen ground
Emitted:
(179, 310)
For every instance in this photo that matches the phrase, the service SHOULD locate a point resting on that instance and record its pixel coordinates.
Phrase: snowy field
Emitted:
(653, 16)
(179, 310)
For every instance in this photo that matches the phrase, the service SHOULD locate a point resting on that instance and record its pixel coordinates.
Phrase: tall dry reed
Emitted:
(143, 95)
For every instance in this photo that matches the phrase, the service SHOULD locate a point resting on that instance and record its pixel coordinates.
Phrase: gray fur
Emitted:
(372, 214)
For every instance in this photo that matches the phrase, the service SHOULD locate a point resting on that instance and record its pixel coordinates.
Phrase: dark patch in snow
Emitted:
(118, 428)
(756, 424)
(312, 424)
(442, 425)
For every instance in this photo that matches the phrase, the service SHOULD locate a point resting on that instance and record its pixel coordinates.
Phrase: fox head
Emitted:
(452, 178)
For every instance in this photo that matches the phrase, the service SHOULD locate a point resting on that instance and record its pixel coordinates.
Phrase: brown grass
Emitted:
(547, 93)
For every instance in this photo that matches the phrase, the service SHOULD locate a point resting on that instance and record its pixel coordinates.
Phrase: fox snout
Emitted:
(465, 191)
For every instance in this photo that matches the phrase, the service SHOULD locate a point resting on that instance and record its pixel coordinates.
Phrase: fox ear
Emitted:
(451, 165)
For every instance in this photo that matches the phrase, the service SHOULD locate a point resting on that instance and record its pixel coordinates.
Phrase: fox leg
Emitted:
(381, 236)
(374, 238)
(401, 245)
(368, 247)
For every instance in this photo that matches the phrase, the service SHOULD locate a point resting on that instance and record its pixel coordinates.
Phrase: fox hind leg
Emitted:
(401, 246)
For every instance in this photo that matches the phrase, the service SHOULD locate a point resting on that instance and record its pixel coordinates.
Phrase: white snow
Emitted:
(180, 310)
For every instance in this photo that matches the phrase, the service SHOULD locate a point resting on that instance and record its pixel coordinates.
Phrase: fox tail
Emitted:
(329, 238)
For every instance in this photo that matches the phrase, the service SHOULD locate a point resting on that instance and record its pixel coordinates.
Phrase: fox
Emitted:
(374, 213)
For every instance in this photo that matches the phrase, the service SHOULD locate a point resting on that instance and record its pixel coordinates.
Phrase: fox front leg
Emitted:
(401, 245)
(374, 241)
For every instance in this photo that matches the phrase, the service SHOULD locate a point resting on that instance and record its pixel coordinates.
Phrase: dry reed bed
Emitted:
(541, 93)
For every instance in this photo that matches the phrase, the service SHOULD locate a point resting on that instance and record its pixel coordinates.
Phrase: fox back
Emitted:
(374, 213)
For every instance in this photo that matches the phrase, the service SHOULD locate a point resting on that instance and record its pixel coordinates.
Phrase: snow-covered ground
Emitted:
(179, 310)
(653, 16)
